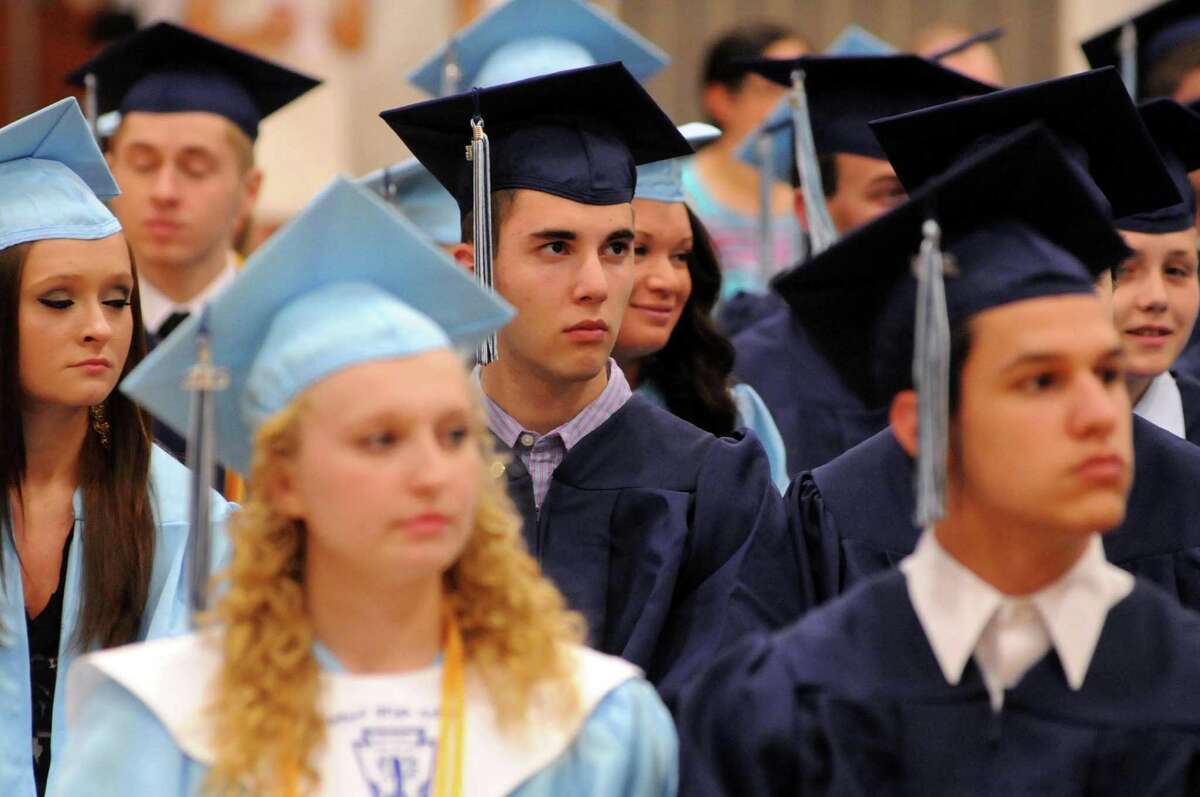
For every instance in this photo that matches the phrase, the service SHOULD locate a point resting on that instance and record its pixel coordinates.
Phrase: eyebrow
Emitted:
(1035, 358)
(625, 234)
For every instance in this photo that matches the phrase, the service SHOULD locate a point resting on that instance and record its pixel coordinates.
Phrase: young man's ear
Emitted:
(716, 99)
(902, 418)
(464, 255)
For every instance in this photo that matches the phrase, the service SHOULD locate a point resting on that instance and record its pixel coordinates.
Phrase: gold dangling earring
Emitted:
(100, 423)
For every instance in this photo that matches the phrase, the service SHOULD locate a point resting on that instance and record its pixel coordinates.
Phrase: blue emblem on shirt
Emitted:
(396, 761)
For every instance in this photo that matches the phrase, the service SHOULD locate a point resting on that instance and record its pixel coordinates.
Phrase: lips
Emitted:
(93, 362)
(426, 525)
(1103, 468)
(163, 228)
(588, 326)
(1151, 331)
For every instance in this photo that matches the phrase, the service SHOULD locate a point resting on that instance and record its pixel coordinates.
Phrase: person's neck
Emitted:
(632, 369)
(1013, 559)
(374, 628)
(183, 282)
(54, 437)
(1137, 386)
(536, 400)
(718, 161)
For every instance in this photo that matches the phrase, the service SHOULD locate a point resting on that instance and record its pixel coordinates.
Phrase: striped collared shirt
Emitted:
(541, 454)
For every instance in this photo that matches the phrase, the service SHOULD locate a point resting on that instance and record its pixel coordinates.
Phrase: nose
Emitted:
(1097, 407)
(431, 465)
(165, 188)
(591, 281)
(659, 277)
(97, 329)
(1151, 294)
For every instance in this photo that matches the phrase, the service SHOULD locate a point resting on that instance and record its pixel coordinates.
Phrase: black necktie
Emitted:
(168, 326)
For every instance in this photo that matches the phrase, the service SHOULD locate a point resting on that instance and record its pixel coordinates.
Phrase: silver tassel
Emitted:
(481, 162)
(1127, 46)
(451, 73)
(91, 103)
(203, 379)
(766, 182)
(931, 377)
(821, 232)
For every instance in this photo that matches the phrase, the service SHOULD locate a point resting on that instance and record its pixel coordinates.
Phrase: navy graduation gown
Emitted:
(817, 415)
(851, 701)
(1189, 394)
(855, 514)
(744, 309)
(670, 542)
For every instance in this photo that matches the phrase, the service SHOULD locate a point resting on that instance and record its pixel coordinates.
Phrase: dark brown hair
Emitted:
(692, 372)
(118, 546)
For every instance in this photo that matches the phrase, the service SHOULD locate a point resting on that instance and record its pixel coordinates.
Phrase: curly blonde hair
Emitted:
(265, 710)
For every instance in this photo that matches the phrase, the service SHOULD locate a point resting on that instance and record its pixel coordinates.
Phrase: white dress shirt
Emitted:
(964, 616)
(1162, 405)
(157, 307)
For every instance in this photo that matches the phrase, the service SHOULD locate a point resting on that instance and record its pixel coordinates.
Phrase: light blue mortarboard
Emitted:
(662, 181)
(526, 38)
(54, 177)
(855, 40)
(410, 188)
(348, 281)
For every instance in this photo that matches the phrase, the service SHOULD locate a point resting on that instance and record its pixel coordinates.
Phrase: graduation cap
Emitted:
(526, 38)
(1010, 222)
(578, 134)
(662, 181)
(1090, 112)
(1139, 43)
(833, 98)
(410, 188)
(348, 281)
(856, 40)
(164, 68)
(1175, 129)
(54, 179)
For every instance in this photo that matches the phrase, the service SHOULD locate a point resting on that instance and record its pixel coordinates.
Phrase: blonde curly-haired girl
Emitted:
(381, 629)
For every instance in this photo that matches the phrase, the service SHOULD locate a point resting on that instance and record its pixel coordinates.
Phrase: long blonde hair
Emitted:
(266, 714)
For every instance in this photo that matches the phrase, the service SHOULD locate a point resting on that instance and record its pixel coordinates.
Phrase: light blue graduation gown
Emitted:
(166, 614)
(752, 414)
(626, 746)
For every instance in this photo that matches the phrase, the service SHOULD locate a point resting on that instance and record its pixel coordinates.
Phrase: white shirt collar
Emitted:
(1162, 405)
(955, 606)
(157, 306)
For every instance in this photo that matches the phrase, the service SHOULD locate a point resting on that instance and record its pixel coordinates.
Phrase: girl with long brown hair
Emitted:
(93, 517)
(382, 630)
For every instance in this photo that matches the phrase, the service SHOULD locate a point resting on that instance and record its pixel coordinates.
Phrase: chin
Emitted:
(1095, 513)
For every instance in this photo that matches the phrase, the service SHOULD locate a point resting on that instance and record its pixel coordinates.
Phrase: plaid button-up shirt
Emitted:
(541, 454)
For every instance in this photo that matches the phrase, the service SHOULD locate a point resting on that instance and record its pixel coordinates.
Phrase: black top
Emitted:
(44, 633)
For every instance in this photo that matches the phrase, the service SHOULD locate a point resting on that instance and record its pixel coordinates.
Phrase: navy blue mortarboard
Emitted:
(578, 134)
(847, 92)
(410, 188)
(348, 281)
(1090, 112)
(526, 38)
(1018, 221)
(1140, 42)
(168, 69)
(54, 179)
(840, 94)
(1175, 129)
(1012, 222)
(662, 181)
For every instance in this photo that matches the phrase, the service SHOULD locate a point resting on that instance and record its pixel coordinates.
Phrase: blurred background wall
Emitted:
(378, 41)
